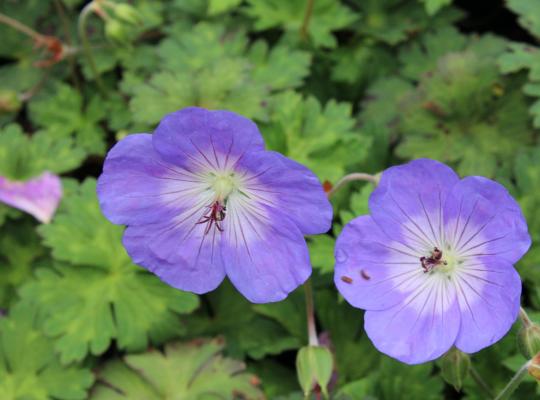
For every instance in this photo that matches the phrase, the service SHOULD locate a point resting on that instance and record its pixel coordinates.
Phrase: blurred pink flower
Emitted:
(38, 196)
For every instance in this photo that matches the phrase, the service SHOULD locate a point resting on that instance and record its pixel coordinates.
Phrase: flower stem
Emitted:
(357, 176)
(307, 18)
(514, 382)
(83, 18)
(310, 313)
(480, 382)
(65, 26)
(4, 19)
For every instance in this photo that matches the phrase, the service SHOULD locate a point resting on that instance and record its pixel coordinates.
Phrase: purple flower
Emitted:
(38, 196)
(433, 263)
(202, 199)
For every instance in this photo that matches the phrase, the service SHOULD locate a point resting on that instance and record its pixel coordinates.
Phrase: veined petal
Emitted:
(138, 187)
(373, 272)
(38, 196)
(194, 138)
(422, 328)
(481, 218)
(179, 252)
(488, 291)
(281, 183)
(265, 254)
(411, 197)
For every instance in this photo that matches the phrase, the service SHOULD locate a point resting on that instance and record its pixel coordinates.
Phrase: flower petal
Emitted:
(183, 258)
(482, 218)
(407, 204)
(39, 196)
(197, 138)
(373, 272)
(138, 187)
(422, 328)
(488, 291)
(283, 184)
(265, 254)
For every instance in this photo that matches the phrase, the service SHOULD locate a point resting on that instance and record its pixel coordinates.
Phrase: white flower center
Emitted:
(223, 184)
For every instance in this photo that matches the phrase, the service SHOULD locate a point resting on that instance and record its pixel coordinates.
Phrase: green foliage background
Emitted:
(363, 85)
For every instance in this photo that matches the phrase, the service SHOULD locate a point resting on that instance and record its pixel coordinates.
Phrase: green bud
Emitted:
(116, 31)
(127, 13)
(9, 101)
(314, 364)
(455, 367)
(529, 340)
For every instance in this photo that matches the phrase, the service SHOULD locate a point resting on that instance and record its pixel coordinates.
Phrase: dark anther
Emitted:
(428, 263)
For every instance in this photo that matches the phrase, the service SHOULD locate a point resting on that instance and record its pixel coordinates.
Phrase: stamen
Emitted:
(214, 216)
(435, 259)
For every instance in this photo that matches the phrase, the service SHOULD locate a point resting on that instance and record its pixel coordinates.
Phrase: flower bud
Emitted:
(127, 13)
(9, 101)
(455, 367)
(116, 31)
(314, 365)
(529, 340)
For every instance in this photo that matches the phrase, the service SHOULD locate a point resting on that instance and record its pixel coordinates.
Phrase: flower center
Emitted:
(223, 185)
(437, 261)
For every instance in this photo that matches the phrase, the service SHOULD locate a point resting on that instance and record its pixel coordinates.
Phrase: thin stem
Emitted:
(524, 317)
(65, 26)
(480, 382)
(4, 19)
(310, 313)
(307, 18)
(514, 382)
(83, 17)
(357, 176)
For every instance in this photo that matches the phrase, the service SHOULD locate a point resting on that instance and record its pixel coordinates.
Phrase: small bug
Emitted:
(346, 279)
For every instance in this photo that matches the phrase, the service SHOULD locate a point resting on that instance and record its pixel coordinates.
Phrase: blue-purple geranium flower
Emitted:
(202, 199)
(38, 196)
(433, 263)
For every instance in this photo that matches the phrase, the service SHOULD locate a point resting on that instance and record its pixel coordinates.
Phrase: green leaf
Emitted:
(23, 157)
(101, 296)
(358, 204)
(362, 63)
(322, 138)
(280, 67)
(396, 21)
(29, 369)
(421, 56)
(433, 6)
(216, 7)
(314, 364)
(214, 68)
(62, 114)
(327, 16)
(187, 371)
(359, 389)
(463, 108)
(227, 311)
(398, 381)
(527, 173)
(321, 252)
(19, 249)
(529, 14)
(521, 56)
